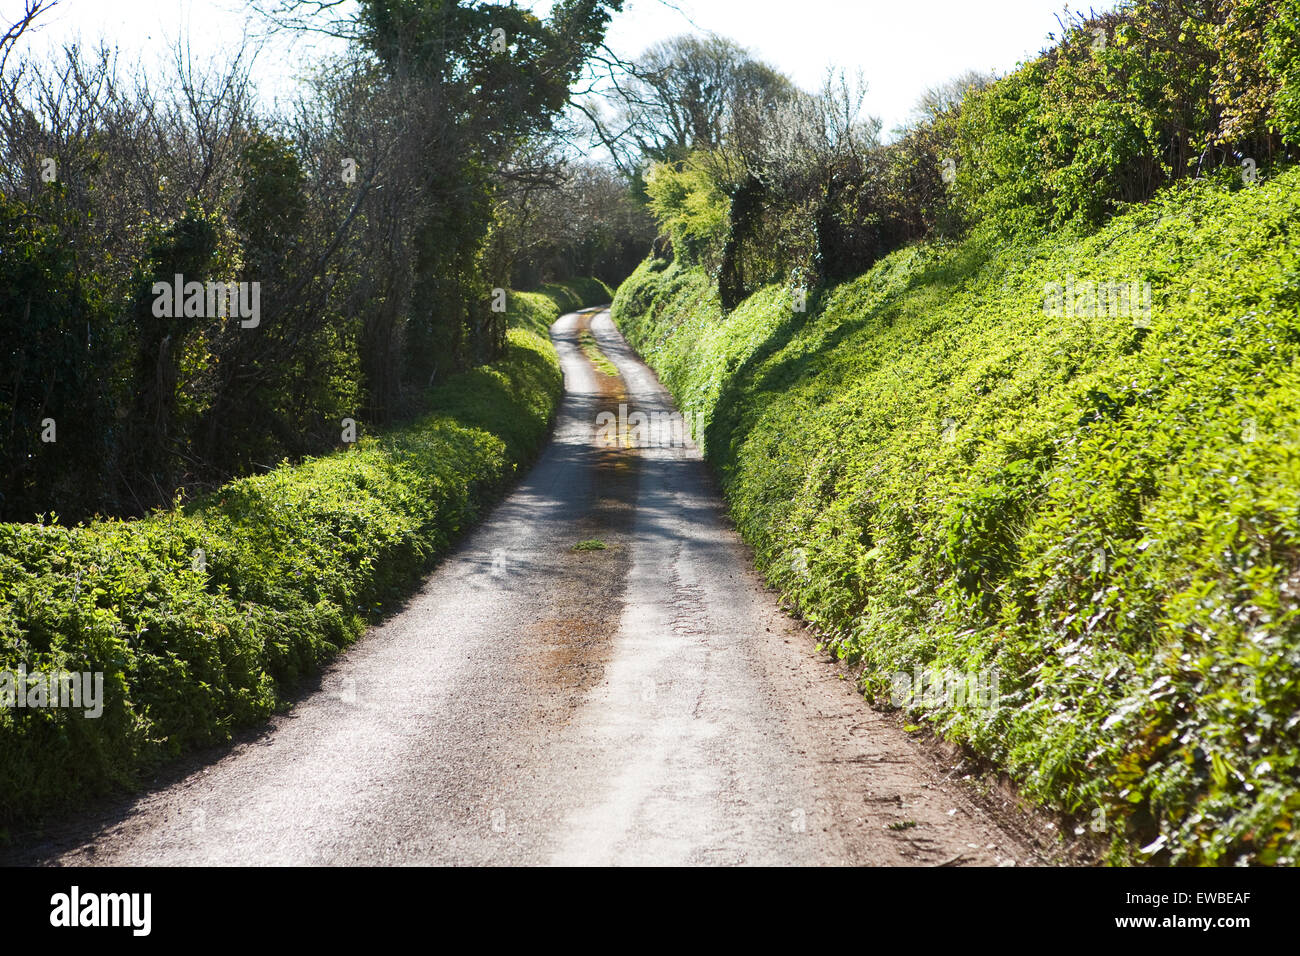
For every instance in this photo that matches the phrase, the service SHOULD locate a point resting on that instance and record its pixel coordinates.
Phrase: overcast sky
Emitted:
(901, 46)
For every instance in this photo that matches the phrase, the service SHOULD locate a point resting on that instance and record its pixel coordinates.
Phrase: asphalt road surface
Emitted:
(644, 703)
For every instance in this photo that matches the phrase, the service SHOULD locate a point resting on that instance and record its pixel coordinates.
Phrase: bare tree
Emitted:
(682, 94)
(941, 99)
(9, 39)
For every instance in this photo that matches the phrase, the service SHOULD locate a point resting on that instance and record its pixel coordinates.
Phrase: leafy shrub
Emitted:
(692, 208)
(1282, 55)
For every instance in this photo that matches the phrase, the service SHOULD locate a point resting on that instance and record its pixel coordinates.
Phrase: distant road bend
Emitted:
(647, 703)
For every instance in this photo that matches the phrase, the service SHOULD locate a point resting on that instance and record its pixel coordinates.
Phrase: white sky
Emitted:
(901, 46)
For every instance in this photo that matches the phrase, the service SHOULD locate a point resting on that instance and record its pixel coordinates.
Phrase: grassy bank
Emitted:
(1105, 517)
(536, 310)
(203, 618)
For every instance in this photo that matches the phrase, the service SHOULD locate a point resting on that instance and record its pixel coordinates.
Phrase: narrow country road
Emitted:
(647, 703)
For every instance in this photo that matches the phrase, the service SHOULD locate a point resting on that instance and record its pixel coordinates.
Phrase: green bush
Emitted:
(59, 340)
(202, 618)
(1282, 56)
(941, 475)
(692, 208)
(1126, 103)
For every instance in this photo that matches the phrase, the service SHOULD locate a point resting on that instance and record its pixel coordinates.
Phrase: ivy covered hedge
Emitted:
(947, 476)
(202, 618)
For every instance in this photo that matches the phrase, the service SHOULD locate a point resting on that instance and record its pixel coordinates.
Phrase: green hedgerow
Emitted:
(203, 618)
(1100, 507)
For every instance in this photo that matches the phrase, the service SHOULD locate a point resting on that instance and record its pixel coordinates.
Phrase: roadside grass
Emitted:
(946, 480)
(203, 618)
(591, 348)
(537, 310)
